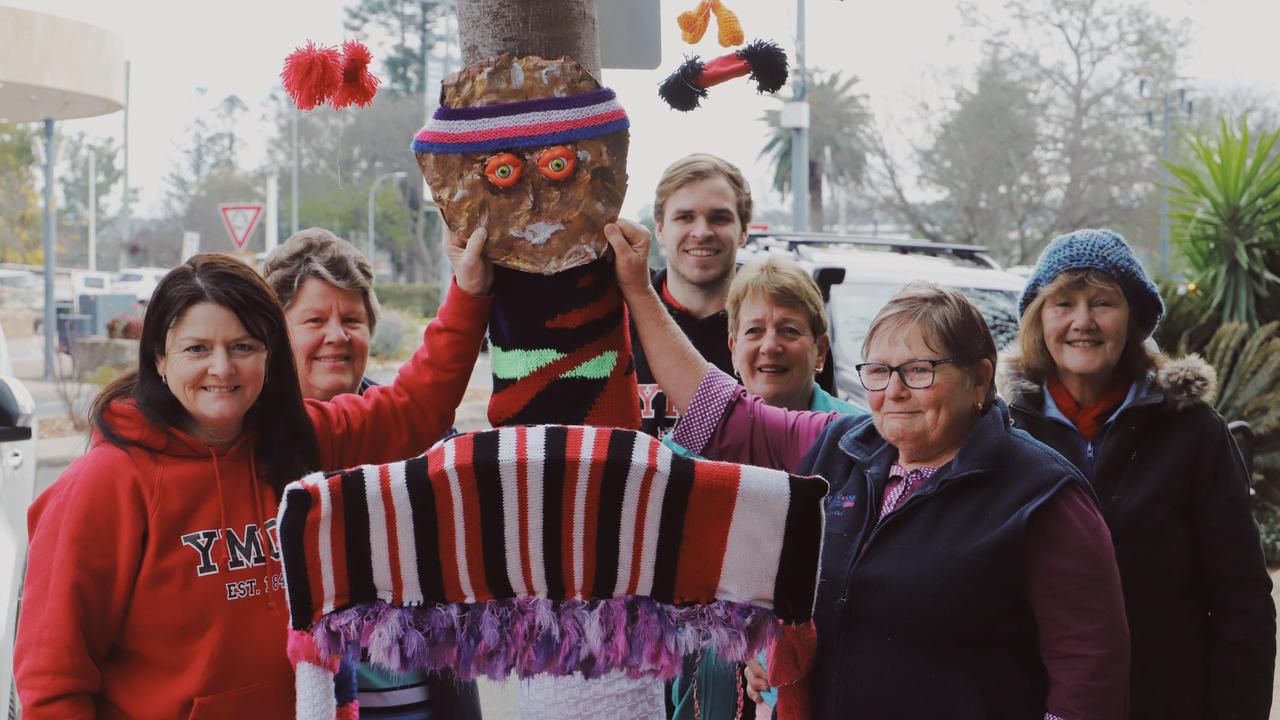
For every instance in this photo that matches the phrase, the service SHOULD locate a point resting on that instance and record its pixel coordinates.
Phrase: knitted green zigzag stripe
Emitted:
(517, 364)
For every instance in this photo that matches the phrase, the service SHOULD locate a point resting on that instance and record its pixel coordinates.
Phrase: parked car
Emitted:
(17, 490)
(67, 290)
(858, 275)
(20, 289)
(89, 282)
(140, 281)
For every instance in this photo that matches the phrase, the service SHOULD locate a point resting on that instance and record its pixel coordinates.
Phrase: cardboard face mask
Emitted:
(535, 151)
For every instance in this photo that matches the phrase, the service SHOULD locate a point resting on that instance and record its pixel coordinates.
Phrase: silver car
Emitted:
(17, 488)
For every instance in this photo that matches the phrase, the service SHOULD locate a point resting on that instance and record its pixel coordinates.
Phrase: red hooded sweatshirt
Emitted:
(154, 588)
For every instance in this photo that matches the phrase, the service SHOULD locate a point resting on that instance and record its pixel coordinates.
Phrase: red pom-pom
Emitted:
(312, 75)
(358, 84)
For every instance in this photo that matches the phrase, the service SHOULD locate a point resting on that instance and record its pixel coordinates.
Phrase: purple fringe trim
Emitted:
(531, 635)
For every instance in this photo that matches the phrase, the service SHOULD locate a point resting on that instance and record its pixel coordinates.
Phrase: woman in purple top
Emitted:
(966, 570)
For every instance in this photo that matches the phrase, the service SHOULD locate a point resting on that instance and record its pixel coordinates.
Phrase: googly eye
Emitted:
(503, 170)
(557, 163)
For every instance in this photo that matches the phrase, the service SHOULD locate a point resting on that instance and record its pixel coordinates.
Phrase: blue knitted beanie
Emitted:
(1101, 250)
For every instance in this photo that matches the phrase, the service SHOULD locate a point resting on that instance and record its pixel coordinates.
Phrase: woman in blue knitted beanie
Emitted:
(1083, 378)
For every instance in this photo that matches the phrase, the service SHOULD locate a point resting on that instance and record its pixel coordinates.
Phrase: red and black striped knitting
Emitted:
(550, 532)
(560, 350)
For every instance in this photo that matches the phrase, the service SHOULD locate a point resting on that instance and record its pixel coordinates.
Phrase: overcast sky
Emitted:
(901, 51)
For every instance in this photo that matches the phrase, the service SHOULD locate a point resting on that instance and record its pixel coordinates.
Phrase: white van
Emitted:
(20, 289)
(140, 282)
(870, 270)
(89, 282)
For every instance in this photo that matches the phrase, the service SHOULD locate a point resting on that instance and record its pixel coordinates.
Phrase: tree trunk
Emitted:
(546, 28)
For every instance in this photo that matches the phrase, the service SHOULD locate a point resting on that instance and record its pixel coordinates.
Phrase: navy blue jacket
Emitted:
(927, 614)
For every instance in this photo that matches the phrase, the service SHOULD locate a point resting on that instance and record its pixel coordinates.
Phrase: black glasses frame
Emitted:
(933, 365)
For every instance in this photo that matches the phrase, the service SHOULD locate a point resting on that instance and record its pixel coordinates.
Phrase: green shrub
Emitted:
(1268, 517)
(1226, 218)
(413, 298)
(1248, 365)
(1185, 327)
(388, 337)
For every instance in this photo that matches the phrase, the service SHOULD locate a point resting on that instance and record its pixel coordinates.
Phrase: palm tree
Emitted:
(838, 120)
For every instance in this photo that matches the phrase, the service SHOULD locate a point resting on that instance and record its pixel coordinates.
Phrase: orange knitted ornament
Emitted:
(730, 30)
(693, 23)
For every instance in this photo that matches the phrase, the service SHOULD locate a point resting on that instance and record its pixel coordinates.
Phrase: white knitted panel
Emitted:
(314, 686)
(611, 697)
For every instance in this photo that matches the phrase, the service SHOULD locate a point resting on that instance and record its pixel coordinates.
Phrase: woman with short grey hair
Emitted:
(326, 287)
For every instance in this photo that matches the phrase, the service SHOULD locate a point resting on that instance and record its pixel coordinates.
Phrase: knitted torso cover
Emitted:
(560, 349)
(548, 549)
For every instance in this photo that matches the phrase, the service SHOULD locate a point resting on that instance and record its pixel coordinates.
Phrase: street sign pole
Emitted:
(800, 135)
(50, 321)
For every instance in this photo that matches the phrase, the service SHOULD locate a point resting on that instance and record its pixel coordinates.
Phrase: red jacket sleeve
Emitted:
(401, 420)
(87, 535)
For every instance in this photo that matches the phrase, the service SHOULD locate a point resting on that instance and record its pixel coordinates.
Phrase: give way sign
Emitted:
(239, 219)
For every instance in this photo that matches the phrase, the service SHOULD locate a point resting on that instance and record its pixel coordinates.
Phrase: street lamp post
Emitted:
(93, 212)
(1169, 101)
(293, 176)
(50, 317)
(373, 192)
(800, 134)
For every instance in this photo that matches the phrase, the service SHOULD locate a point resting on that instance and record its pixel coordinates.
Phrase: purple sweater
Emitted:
(1084, 638)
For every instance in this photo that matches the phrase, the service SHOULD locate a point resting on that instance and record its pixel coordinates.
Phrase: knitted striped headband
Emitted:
(526, 123)
(549, 549)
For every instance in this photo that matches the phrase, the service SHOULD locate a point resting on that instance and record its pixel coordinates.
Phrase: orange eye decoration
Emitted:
(557, 163)
(503, 169)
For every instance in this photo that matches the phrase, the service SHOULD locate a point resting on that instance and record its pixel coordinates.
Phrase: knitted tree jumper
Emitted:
(545, 549)
(537, 158)
(560, 351)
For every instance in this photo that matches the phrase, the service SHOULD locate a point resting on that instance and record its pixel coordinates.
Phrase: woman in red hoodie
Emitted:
(153, 586)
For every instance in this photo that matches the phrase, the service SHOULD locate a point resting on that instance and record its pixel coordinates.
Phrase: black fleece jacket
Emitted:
(1174, 492)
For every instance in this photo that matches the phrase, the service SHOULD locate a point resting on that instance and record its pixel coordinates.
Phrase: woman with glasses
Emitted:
(966, 570)
(1170, 481)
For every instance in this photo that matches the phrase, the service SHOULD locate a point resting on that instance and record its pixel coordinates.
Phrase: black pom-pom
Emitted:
(681, 90)
(768, 64)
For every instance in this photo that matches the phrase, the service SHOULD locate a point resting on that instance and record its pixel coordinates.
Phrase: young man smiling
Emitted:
(702, 206)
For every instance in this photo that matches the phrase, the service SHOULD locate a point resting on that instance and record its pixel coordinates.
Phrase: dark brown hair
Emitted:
(292, 450)
(948, 321)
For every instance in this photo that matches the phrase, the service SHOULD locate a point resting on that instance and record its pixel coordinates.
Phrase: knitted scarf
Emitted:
(1088, 419)
(560, 349)
(546, 549)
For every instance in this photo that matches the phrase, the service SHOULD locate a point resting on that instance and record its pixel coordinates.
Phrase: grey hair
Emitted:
(316, 252)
